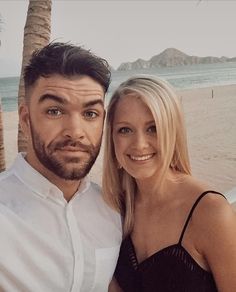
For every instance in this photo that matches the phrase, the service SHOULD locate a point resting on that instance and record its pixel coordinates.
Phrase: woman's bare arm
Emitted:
(114, 286)
(217, 232)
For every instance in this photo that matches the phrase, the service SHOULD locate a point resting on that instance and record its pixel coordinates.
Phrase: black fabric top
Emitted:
(171, 269)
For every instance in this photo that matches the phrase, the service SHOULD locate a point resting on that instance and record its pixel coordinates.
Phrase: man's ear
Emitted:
(24, 118)
(105, 113)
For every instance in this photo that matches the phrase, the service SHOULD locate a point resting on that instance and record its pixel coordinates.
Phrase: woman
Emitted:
(179, 235)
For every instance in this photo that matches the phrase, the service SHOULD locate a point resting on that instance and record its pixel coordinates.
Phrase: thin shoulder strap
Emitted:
(192, 210)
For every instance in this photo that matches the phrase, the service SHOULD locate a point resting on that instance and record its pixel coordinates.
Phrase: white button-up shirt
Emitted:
(50, 245)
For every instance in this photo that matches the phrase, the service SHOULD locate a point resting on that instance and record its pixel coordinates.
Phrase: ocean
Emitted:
(181, 77)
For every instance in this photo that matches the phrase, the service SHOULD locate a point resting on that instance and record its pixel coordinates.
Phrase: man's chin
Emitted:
(69, 175)
(71, 172)
(67, 168)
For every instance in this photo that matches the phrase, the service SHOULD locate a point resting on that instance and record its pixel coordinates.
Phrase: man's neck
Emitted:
(68, 187)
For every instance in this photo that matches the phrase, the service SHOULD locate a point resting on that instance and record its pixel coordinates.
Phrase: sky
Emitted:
(123, 31)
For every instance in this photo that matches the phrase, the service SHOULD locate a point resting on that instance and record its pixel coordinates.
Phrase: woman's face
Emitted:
(135, 138)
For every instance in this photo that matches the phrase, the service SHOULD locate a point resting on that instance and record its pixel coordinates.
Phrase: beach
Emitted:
(210, 115)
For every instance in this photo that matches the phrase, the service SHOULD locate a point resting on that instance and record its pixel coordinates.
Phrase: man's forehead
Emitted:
(80, 89)
(83, 84)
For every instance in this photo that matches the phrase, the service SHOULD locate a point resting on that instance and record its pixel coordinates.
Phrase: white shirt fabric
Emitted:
(50, 245)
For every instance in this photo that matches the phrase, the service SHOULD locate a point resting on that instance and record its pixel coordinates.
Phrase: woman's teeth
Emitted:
(141, 157)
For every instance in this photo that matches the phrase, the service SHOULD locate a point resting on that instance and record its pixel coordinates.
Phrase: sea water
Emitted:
(181, 77)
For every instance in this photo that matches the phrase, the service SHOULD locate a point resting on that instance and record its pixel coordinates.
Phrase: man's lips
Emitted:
(71, 149)
(72, 146)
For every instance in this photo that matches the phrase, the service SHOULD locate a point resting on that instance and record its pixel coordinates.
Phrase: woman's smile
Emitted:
(141, 158)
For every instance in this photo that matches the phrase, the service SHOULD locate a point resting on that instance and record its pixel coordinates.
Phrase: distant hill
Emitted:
(169, 58)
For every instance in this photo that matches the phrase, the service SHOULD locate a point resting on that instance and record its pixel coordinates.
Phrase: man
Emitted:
(57, 234)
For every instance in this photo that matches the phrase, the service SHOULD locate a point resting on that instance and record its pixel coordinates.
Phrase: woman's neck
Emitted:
(156, 189)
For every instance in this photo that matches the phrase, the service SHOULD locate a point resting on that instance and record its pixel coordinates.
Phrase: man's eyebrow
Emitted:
(52, 97)
(93, 102)
(62, 100)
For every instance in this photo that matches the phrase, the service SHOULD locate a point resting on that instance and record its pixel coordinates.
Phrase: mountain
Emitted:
(169, 58)
(138, 64)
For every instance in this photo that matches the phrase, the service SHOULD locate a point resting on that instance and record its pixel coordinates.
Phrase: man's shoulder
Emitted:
(93, 210)
(7, 184)
(5, 176)
(96, 188)
(94, 192)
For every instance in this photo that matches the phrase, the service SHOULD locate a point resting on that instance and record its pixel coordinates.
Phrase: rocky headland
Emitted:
(169, 58)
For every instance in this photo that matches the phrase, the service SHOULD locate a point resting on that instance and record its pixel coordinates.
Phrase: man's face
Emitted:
(64, 122)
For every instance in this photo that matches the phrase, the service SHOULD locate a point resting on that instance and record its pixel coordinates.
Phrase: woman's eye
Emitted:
(54, 112)
(152, 129)
(90, 115)
(124, 130)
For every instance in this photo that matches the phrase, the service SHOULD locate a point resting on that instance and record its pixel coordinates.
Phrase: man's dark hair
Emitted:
(66, 60)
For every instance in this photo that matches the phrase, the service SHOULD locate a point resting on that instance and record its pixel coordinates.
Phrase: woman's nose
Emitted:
(140, 140)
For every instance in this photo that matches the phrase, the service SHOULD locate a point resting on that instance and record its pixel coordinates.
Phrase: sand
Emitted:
(211, 129)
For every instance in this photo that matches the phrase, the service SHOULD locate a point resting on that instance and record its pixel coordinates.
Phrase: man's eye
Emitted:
(54, 112)
(124, 130)
(152, 129)
(90, 115)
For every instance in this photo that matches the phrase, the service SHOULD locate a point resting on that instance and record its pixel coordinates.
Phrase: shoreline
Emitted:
(211, 125)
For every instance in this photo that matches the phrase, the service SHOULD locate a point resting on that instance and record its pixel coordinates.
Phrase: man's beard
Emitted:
(59, 166)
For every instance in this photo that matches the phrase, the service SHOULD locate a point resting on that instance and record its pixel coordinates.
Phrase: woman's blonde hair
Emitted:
(119, 187)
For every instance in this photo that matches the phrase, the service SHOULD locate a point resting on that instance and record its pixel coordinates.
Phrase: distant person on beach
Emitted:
(57, 233)
(179, 234)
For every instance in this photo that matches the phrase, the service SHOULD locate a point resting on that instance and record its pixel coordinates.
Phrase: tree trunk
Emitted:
(2, 153)
(36, 35)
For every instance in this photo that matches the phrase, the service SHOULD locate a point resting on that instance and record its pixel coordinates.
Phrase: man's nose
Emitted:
(74, 127)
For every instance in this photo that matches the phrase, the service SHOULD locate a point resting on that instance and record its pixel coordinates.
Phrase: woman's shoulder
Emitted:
(214, 235)
(213, 219)
(210, 207)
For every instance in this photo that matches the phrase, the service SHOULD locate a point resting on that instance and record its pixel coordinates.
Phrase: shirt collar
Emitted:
(37, 182)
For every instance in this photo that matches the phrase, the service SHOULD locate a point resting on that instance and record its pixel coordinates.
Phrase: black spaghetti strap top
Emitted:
(171, 269)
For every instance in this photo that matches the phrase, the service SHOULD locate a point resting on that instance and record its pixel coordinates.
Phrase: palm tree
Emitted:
(1, 22)
(2, 152)
(36, 35)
